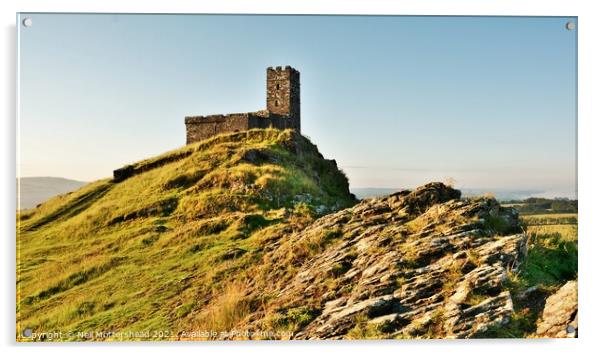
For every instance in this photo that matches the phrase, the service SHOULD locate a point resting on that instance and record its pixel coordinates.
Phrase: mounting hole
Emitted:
(27, 22)
(570, 25)
(570, 329)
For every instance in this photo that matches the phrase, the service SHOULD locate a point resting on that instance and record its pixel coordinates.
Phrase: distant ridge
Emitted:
(500, 194)
(35, 190)
(372, 192)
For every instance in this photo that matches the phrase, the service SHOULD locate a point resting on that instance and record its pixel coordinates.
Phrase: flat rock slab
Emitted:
(559, 319)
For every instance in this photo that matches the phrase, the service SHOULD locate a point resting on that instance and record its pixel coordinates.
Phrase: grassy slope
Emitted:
(160, 248)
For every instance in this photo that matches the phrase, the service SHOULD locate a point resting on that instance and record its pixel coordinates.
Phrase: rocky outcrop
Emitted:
(559, 319)
(421, 263)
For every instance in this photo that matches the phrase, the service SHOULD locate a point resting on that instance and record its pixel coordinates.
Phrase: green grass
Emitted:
(550, 219)
(553, 249)
(364, 330)
(293, 319)
(551, 262)
(178, 245)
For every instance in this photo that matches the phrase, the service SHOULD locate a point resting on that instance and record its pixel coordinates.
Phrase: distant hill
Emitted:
(539, 205)
(35, 190)
(371, 192)
(499, 193)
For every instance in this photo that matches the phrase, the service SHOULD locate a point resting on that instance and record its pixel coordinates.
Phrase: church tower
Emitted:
(284, 94)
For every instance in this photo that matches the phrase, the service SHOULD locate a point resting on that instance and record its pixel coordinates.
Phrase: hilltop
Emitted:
(255, 234)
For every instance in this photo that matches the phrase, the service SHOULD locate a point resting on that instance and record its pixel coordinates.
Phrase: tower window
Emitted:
(276, 103)
(277, 86)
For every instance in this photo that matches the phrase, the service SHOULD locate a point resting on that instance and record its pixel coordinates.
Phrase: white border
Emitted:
(590, 198)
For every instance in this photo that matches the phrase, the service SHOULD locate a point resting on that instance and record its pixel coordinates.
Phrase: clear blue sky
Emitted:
(397, 101)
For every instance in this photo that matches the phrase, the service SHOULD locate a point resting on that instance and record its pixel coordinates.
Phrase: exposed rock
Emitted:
(421, 263)
(559, 319)
(232, 253)
(259, 156)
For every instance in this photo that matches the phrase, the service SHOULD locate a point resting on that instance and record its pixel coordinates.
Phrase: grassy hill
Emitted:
(256, 231)
(187, 230)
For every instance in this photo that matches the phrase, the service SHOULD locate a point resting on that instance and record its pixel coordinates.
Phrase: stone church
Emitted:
(283, 110)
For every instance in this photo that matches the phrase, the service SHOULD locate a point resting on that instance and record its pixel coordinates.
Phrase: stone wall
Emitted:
(199, 128)
(131, 170)
(272, 121)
